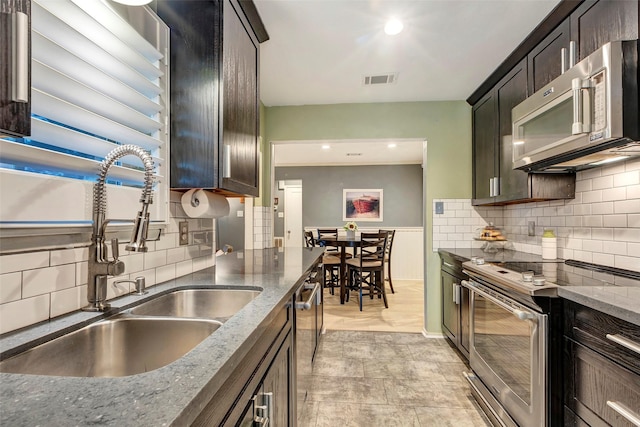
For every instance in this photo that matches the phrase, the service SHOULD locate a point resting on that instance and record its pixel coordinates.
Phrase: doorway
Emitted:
(293, 215)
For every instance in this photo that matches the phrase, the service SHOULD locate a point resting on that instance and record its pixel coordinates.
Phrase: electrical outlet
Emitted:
(184, 232)
(531, 228)
(439, 208)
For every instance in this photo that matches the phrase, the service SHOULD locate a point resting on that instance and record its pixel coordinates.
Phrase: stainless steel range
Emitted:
(516, 335)
(513, 313)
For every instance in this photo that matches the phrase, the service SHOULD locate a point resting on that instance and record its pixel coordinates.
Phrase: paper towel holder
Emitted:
(195, 202)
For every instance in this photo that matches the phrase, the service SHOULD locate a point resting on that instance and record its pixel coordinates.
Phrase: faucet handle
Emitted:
(115, 249)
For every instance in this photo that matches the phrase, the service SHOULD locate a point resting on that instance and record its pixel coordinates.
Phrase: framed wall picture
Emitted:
(362, 204)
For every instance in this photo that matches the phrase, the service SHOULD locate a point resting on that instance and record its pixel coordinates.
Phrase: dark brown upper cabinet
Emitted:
(15, 67)
(595, 23)
(545, 60)
(214, 94)
(510, 91)
(485, 124)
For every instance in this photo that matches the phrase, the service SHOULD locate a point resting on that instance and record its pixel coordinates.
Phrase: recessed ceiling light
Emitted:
(326, 147)
(393, 27)
(392, 145)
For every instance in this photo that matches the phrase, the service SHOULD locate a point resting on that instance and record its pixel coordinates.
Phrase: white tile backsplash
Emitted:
(19, 262)
(24, 312)
(10, 287)
(601, 224)
(38, 285)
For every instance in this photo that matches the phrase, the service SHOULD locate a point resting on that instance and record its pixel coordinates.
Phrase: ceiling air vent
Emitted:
(380, 79)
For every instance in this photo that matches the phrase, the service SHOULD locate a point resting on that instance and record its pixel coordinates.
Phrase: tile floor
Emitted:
(366, 378)
(376, 368)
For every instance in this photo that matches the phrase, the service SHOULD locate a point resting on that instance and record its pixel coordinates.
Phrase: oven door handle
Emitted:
(519, 313)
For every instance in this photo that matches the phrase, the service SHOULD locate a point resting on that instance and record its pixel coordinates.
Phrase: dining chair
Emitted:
(330, 249)
(387, 256)
(330, 259)
(309, 240)
(366, 272)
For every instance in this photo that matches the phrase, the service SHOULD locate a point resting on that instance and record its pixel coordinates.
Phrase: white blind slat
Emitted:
(61, 86)
(72, 140)
(60, 111)
(46, 51)
(60, 162)
(91, 30)
(110, 19)
(48, 25)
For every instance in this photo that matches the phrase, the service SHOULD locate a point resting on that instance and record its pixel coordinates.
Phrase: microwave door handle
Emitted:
(576, 88)
(581, 115)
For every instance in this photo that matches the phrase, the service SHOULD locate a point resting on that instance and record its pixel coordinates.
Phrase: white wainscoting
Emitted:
(407, 254)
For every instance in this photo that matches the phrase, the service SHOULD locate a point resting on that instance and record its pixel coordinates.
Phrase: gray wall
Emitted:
(322, 193)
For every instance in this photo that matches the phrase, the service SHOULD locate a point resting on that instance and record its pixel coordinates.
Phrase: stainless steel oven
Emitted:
(508, 356)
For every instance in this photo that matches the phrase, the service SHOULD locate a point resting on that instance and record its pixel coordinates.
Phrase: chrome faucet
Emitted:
(99, 265)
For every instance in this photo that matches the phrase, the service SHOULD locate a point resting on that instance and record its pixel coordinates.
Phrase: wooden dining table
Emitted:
(342, 242)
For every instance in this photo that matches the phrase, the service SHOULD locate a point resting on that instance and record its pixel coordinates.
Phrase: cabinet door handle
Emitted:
(20, 57)
(491, 187)
(625, 342)
(226, 161)
(625, 412)
(572, 53)
(447, 264)
(456, 293)
(563, 60)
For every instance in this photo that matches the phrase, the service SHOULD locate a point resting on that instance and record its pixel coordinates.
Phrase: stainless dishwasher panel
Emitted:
(308, 324)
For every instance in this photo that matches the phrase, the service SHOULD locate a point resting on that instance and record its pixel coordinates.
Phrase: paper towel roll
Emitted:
(199, 203)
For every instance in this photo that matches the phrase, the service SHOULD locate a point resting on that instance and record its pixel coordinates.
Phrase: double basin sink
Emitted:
(146, 337)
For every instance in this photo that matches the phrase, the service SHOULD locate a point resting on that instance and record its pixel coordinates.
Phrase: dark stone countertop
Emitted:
(173, 394)
(621, 300)
(462, 255)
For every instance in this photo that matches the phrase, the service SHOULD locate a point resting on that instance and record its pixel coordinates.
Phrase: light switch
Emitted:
(439, 208)
(240, 214)
(280, 214)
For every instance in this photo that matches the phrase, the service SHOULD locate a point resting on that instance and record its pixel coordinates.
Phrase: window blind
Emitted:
(98, 81)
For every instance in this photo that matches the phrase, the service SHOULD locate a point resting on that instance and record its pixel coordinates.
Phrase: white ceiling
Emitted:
(320, 50)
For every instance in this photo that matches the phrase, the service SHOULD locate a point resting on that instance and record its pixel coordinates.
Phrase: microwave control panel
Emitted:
(599, 101)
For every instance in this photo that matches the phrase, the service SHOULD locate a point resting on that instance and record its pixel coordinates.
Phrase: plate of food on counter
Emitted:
(490, 234)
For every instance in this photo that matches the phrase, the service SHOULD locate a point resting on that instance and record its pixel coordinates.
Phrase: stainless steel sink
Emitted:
(219, 304)
(120, 346)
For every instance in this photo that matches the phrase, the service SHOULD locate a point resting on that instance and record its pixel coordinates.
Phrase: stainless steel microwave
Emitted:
(586, 117)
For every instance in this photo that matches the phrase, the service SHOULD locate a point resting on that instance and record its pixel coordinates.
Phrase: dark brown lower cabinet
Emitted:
(602, 376)
(455, 303)
(261, 386)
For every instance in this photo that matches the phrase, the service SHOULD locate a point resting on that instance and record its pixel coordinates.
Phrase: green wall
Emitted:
(445, 125)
